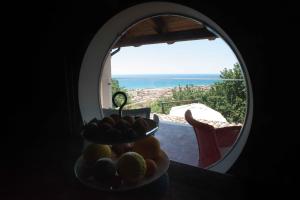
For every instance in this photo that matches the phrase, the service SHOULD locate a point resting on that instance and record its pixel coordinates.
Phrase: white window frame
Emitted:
(112, 30)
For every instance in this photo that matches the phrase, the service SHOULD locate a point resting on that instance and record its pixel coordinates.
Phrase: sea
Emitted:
(165, 80)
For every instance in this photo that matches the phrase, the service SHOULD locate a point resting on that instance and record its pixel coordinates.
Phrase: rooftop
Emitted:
(164, 29)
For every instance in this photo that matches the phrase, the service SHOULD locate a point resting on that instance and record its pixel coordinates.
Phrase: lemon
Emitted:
(148, 147)
(131, 167)
(96, 151)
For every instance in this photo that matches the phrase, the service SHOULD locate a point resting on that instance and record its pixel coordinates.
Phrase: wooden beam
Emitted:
(169, 38)
(160, 25)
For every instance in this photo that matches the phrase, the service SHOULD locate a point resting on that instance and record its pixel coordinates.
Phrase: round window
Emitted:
(181, 65)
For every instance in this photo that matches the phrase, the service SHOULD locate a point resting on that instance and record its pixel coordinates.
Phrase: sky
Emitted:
(187, 57)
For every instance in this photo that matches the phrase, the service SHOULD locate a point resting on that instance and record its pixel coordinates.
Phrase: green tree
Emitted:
(227, 96)
(115, 87)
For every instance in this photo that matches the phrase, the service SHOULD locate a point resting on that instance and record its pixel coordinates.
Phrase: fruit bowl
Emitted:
(117, 129)
(121, 152)
(111, 135)
(82, 173)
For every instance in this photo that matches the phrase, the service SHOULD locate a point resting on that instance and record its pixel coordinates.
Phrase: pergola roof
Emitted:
(164, 29)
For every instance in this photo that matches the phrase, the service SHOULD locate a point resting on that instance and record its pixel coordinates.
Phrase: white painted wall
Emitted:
(105, 84)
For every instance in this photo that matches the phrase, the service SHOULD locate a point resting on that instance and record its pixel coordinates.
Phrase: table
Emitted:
(180, 182)
(52, 177)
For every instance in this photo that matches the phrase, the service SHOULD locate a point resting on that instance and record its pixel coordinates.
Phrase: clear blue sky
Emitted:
(189, 57)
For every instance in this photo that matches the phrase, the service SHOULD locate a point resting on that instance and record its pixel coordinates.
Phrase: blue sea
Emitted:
(165, 80)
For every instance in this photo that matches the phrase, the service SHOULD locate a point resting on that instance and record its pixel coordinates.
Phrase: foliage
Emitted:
(227, 96)
(157, 106)
(115, 87)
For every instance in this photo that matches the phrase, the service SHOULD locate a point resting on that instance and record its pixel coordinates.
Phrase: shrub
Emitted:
(227, 96)
(115, 87)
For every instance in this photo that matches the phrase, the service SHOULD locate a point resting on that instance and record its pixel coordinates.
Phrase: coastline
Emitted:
(143, 97)
(152, 94)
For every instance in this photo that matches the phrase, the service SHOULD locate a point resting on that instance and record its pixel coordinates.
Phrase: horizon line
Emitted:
(169, 74)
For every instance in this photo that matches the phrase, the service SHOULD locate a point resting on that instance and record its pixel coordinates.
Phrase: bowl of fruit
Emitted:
(121, 167)
(117, 128)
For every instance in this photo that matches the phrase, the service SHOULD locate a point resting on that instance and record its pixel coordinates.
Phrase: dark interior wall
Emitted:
(55, 37)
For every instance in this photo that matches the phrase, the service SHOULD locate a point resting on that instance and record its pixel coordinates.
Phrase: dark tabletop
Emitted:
(180, 182)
